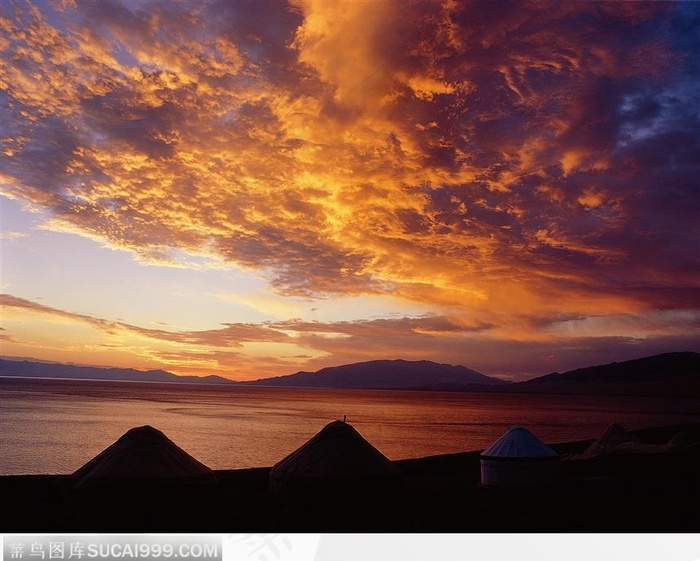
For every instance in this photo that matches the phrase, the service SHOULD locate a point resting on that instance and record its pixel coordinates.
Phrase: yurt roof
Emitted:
(337, 450)
(613, 436)
(518, 443)
(142, 452)
(682, 439)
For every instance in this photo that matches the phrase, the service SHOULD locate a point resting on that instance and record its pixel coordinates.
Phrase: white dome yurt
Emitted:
(336, 462)
(519, 459)
(141, 453)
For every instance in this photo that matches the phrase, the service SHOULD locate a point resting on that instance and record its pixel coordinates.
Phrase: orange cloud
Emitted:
(455, 154)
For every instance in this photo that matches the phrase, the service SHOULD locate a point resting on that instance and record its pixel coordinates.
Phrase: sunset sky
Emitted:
(255, 188)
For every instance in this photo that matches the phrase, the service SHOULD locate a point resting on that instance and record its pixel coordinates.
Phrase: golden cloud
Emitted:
(459, 154)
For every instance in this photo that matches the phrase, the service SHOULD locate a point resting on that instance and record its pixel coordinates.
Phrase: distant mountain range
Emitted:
(669, 374)
(664, 375)
(36, 369)
(382, 374)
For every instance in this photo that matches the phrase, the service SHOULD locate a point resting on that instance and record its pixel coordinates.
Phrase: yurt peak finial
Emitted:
(345, 418)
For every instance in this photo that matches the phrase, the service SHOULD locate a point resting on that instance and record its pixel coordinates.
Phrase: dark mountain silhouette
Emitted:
(34, 369)
(668, 374)
(383, 374)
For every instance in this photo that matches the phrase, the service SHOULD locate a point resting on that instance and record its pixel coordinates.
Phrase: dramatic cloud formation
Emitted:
(527, 171)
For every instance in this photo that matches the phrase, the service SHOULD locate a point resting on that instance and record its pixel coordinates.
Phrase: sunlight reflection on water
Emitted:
(55, 426)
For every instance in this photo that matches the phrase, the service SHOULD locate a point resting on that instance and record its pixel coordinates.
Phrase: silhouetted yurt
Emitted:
(519, 459)
(681, 440)
(614, 439)
(142, 453)
(337, 464)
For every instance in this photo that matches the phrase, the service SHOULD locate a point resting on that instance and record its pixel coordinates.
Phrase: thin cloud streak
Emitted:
(297, 344)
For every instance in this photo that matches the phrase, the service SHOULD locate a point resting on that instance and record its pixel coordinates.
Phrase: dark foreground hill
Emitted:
(31, 369)
(383, 374)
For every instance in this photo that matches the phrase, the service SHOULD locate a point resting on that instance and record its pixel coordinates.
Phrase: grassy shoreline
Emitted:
(633, 493)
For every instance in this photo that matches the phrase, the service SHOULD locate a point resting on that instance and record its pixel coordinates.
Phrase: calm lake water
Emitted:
(55, 426)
